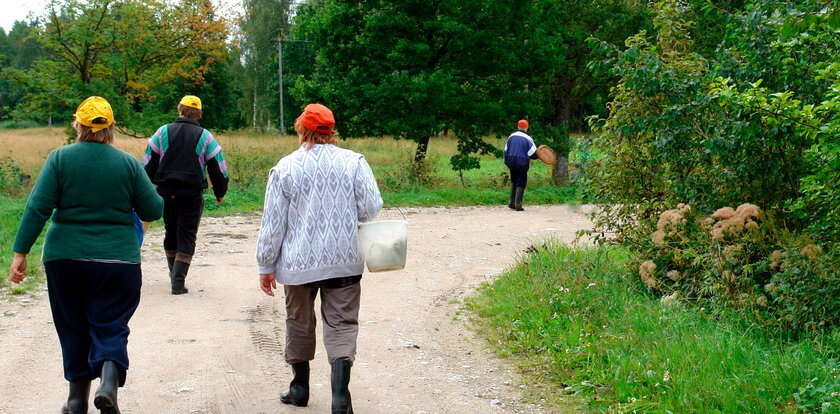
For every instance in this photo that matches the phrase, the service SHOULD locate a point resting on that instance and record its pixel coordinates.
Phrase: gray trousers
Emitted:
(339, 314)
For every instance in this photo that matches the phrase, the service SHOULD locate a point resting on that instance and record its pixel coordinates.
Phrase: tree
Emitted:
(18, 50)
(263, 24)
(411, 69)
(123, 50)
(555, 54)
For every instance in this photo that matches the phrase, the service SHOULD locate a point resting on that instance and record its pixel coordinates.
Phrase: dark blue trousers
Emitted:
(91, 304)
(518, 170)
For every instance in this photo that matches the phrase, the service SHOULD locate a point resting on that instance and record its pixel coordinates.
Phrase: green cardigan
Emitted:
(90, 190)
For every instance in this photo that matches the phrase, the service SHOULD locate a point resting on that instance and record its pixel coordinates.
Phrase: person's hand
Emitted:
(17, 272)
(219, 201)
(268, 283)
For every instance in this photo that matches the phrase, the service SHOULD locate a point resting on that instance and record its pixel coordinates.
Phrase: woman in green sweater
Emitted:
(91, 252)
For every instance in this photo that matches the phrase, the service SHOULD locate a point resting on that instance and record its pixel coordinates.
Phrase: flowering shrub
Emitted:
(738, 258)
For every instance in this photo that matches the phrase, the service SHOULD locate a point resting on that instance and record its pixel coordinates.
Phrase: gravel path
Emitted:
(220, 348)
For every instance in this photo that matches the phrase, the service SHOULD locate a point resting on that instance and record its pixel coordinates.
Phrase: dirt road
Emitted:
(220, 348)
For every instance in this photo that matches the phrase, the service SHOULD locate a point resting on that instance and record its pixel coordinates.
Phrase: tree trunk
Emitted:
(560, 171)
(422, 147)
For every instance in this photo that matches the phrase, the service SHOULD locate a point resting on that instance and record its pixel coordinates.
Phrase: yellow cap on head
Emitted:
(95, 109)
(191, 101)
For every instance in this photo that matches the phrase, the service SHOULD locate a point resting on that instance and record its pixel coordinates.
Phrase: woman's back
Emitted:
(91, 190)
(315, 199)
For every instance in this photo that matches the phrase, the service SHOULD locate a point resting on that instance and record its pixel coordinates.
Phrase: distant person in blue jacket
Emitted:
(519, 151)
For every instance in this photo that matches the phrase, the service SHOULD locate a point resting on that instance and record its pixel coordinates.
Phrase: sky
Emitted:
(11, 10)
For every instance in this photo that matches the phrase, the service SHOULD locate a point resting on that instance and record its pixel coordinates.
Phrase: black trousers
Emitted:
(91, 305)
(181, 216)
(518, 171)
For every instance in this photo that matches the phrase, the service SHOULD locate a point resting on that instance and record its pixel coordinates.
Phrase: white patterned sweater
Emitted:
(314, 202)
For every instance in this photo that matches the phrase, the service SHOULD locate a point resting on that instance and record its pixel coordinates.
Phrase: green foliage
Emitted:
(11, 209)
(575, 320)
(13, 182)
(409, 69)
(128, 51)
(415, 69)
(263, 24)
(715, 131)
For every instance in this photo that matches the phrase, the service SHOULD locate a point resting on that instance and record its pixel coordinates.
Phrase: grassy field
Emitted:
(250, 156)
(572, 322)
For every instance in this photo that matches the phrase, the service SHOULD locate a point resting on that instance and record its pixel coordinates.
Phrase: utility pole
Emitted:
(254, 111)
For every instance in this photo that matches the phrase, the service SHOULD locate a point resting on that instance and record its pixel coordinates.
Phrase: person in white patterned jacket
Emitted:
(314, 201)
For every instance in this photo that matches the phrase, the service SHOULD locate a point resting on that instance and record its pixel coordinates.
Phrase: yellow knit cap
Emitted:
(93, 108)
(191, 101)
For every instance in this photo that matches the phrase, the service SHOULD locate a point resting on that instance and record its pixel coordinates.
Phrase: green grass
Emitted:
(577, 324)
(250, 157)
(476, 196)
(11, 210)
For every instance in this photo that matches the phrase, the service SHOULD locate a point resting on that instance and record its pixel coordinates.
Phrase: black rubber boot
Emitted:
(105, 398)
(298, 392)
(512, 196)
(341, 403)
(77, 399)
(170, 260)
(517, 205)
(179, 276)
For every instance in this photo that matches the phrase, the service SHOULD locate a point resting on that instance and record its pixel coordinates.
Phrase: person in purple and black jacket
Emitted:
(519, 151)
(179, 158)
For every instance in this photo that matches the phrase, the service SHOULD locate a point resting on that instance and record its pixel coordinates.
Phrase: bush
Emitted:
(409, 173)
(18, 124)
(13, 181)
(739, 259)
(757, 121)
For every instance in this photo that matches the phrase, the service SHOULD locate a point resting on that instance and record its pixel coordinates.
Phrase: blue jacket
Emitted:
(519, 148)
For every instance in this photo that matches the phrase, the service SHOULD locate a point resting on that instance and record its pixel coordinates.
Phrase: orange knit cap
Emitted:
(522, 124)
(317, 118)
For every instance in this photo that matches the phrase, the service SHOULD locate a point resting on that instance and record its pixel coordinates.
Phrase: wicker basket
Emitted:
(546, 155)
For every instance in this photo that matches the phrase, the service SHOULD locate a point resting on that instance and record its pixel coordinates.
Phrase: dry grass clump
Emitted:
(723, 213)
(732, 222)
(670, 222)
(776, 259)
(741, 259)
(674, 275)
(647, 270)
(811, 251)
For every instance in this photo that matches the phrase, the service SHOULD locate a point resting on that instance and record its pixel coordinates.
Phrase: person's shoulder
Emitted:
(285, 163)
(346, 153)
(124, 156)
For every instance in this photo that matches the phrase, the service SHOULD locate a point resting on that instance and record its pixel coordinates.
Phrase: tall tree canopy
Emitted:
(263, 23)
(410, 69)
(124, 50)
(413, 69)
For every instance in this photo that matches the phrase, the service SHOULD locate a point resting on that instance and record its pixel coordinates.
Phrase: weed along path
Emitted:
(220, 348)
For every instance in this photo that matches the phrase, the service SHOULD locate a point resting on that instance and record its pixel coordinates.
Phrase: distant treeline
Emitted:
(405, 68)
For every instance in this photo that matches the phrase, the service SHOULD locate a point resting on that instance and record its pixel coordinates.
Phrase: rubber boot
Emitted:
(298, 392)
(512, 196)
(517, 205)
(77, 399)
(170, 260)
(105, 398)
(179, 276)
(341, 403)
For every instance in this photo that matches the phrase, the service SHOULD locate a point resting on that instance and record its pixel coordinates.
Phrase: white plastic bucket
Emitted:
(384, 244)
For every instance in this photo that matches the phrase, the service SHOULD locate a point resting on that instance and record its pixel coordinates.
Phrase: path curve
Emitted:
(220, 348)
